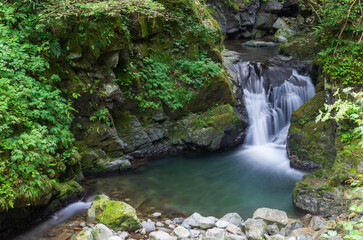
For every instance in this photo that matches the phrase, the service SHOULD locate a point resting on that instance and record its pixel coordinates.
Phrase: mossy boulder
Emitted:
(311, 145)
(300, 46)
(117, 215)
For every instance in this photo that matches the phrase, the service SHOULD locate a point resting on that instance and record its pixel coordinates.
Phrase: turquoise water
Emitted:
(240, 180)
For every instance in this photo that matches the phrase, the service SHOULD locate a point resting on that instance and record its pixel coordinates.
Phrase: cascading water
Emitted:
(270, 95)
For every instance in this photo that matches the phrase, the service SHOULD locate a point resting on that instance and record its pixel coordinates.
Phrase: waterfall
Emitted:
(270, 95)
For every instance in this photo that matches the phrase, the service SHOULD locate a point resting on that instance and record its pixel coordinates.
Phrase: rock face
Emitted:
(118, 215)
(257, 18)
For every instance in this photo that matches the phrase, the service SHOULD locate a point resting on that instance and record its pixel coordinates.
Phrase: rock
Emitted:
(124, 235)
(303, 233)
(222, 224)
(207, 222)
(101, 232)
(91, 210)
(156, 215)
(118, 215)
(233, 218)
(276, 237)
(233, 229)
(255, 228)
(82, 224)
(280, 23)
(111, 59)
(167, 230)
(271, 216)
(181, 232)
(149, 226)
(258, 44)
(283, 34)
(115, 238)
(168, 222)
(160, 236)
(273, 6)
(194, 233)
(272, 229)
(234, 237)
(315, 221)
(265, 20)
(178, 220)
(159, 224)
(306, 219)
(85, 234)
(192, 221)
(215, 233)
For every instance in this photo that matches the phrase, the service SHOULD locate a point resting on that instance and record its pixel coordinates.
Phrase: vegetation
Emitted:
(36, 143)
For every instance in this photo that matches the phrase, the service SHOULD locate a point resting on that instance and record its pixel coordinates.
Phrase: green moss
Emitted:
(144, 27)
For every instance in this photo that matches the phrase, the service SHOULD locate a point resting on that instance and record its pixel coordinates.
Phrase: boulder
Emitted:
(283, 34)
(234, 237)
(255, 228)
(222, 224)
(271, 216)
(258, 44)
(120, 216)
(273, 6)
(280, 23)
(233, 229)
(101, 232)
(232, 218)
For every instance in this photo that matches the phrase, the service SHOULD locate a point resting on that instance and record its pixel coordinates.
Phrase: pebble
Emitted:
(156, 215)
(159, 224)
(168, 222)
(181, 232)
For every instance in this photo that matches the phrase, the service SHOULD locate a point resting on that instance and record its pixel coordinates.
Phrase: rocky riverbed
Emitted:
(115, 220)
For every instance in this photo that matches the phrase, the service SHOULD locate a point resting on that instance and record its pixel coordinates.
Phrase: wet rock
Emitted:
(101, 232)
(255, 228)
(181, 232)
(265, 20)
(159, 235)
(215, 233)
(271, 216)
(149, 226)
(273, 6)
(282, 35)
(85, 234)
(233, 218)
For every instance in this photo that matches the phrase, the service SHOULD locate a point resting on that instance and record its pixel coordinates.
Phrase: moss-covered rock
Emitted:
(311, 145)
(301, 45)
(117, 215)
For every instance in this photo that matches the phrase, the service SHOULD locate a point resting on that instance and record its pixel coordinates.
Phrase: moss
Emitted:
(300, 46)
(144, 27)
(68, 189)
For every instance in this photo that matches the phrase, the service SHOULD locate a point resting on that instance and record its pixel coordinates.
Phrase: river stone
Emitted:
(303, 233)
(258, 44)
(255, 228)
(101, 232)
(216, 233)
(149, 226)
(271, 216)
(156, 215)
(207, 222)
(233, 218)
(91, 210)
(115, 238)
(272, 6)
(234, 237)
(275, 237)
(195, 233)
(222, 224)
(181, 232)
(85, 234)
(160, 236)
(316, 220)
(118, 215)
(272, 229)
(280, 23)
(233, 229)
(159, 224)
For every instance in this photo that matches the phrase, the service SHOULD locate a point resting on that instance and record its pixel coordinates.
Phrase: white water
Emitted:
(59, 217)
(269, 105)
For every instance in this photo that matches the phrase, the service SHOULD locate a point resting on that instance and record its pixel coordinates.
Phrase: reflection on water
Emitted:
(212, 184)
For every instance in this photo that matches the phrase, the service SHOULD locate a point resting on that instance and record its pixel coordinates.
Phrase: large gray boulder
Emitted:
(271, 216)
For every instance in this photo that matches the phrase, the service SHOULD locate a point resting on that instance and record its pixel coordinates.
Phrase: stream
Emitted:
(256, 174)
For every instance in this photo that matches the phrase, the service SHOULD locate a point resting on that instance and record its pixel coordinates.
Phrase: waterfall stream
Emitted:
(270, 96)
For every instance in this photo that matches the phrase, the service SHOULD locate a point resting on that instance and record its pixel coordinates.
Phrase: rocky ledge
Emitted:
(114, 220)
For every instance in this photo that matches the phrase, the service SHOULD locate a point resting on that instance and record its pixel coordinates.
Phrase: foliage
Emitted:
(348, 109)
(172, 84)
(35, 140)
(341, 31)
